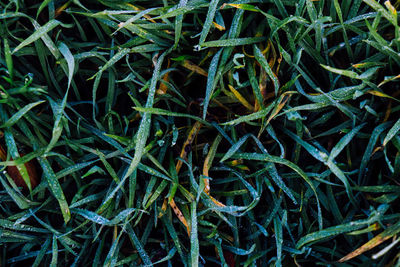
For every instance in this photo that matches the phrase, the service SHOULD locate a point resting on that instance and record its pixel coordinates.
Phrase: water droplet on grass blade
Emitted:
(160, 142)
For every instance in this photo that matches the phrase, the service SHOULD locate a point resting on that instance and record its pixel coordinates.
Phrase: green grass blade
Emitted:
(136, 242)
(144, 127)
(263, 62)
(344, 141)
(39, 33)
(19, 114)
(392, 132)
(194, 240)
(233, 42)
(55, 188)
(70, 61)
(208, 22)
(211, 83)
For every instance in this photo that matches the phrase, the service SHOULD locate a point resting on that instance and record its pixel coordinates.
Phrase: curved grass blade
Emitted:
(39, 33)
(392, 132)
(17, 198)
(18, 115)
(333, 231)
(55, 188)
(144, 127)
(264, 63)
(377, 240)
(277, 160)
(70, 61)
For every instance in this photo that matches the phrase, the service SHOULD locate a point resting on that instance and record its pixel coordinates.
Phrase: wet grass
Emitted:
(199, 133)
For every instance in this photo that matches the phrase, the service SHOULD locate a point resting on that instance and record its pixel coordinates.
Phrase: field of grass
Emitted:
(199, 133)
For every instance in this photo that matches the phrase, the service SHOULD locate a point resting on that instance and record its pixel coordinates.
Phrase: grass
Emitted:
(199, 133)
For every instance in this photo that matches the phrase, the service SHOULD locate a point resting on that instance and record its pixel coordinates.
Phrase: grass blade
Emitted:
(39, 33)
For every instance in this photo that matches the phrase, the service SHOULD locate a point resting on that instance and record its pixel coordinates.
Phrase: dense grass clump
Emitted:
(199, 133)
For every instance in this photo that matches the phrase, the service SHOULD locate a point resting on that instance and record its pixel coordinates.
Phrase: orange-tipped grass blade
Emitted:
(61, 9)
(163, 86)
(185, 150)
(274, 55)
(377, 240)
